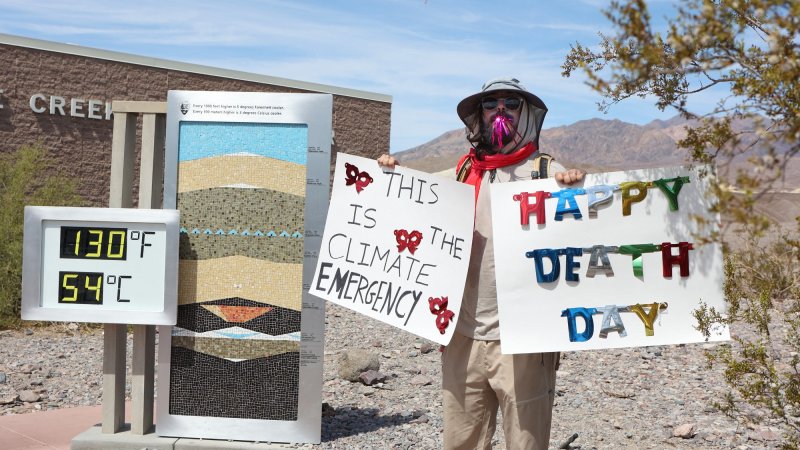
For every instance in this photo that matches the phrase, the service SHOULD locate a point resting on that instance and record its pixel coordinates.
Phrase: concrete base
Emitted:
(94, 439)
(212, 444)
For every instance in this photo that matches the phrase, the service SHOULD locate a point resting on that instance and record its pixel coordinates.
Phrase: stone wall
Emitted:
(81, 146)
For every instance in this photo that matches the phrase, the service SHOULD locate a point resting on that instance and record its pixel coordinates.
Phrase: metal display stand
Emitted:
(151, 179)
(113, 431)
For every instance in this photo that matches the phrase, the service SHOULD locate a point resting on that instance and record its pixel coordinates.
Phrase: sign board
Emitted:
(106, 265)
(614, 262)
(249, 173)
(396, 246)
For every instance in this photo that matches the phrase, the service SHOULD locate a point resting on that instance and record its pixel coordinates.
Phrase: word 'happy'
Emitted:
(632, 192)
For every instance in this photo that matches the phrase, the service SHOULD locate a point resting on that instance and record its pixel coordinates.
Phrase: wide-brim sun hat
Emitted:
(467, 108)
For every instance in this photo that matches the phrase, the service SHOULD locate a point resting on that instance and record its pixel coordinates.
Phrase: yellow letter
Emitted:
(111, 242)
(648, 318)
(77, 242)
(95, 288)
(628, 199)
(97, 244)
(65, 285)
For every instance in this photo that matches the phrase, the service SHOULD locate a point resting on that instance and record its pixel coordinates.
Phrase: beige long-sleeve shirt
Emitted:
(478, 317)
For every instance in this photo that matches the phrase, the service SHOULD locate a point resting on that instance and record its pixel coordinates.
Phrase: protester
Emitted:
(503, 123)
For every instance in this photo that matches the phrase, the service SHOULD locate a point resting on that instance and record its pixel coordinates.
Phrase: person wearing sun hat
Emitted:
(503, 122)
(470, 111)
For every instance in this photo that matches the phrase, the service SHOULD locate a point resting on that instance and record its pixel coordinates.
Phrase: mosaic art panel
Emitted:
(284, 141)
(209, 243)
(242, 208)
(261, 281)
(266, 224)
(235, 349)
(241, 193)
(277, 321)
(209, 386)
(243, 171)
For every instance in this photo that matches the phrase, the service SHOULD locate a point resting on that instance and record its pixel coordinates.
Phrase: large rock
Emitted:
(355, 362)
(427, 347)
(685, 431)
(29, 396)
(371, 377)
(421, 380)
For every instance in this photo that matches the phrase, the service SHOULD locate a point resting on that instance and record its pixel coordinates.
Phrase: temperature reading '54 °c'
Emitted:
(87, 288)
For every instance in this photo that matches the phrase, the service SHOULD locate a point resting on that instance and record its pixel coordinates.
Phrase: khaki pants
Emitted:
(477, 379)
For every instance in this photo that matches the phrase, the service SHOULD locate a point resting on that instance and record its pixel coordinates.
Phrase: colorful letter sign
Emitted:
(396, 246)
(611, 263)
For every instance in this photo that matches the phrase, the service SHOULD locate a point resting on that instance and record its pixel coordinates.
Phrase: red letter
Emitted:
(526, 208)
(682, 258)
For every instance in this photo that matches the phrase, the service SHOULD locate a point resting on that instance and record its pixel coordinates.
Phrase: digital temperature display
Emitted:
(109, 265)
(93, 243)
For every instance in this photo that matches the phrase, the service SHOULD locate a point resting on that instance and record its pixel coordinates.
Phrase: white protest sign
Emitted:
(624, 272)
(396, 246)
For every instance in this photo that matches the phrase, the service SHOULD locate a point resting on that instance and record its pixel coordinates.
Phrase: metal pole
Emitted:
(151, 178)
(114, 338)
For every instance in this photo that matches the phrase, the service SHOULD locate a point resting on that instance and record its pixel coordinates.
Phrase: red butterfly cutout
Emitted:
(443, 315)
(354, 176)
(406, 240)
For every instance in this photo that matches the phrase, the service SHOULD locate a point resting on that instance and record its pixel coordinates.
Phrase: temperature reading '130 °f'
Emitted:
(101, 243)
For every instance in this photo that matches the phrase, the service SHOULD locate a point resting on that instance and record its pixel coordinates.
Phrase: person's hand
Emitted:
(571, 176)
(388, 161)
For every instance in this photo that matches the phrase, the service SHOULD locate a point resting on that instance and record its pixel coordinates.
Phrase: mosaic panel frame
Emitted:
(221, 306)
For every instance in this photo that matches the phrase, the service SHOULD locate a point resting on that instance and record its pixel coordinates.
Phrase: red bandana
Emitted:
(489, 162)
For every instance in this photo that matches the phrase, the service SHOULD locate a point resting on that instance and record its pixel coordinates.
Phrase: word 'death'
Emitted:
(627, 274)
(396, 246)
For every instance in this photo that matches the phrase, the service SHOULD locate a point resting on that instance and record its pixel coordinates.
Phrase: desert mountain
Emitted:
(599, 145)
(595, 145)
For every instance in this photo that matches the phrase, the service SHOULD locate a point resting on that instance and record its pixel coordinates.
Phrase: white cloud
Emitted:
(427, 55)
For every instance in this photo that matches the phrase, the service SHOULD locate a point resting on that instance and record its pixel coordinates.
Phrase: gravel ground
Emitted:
(626, 398)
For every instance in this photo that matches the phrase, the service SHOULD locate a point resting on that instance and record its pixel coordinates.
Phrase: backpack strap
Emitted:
(463, 169)
(542, 162)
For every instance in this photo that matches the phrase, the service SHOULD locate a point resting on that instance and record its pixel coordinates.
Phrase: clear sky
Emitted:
(427, 55)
